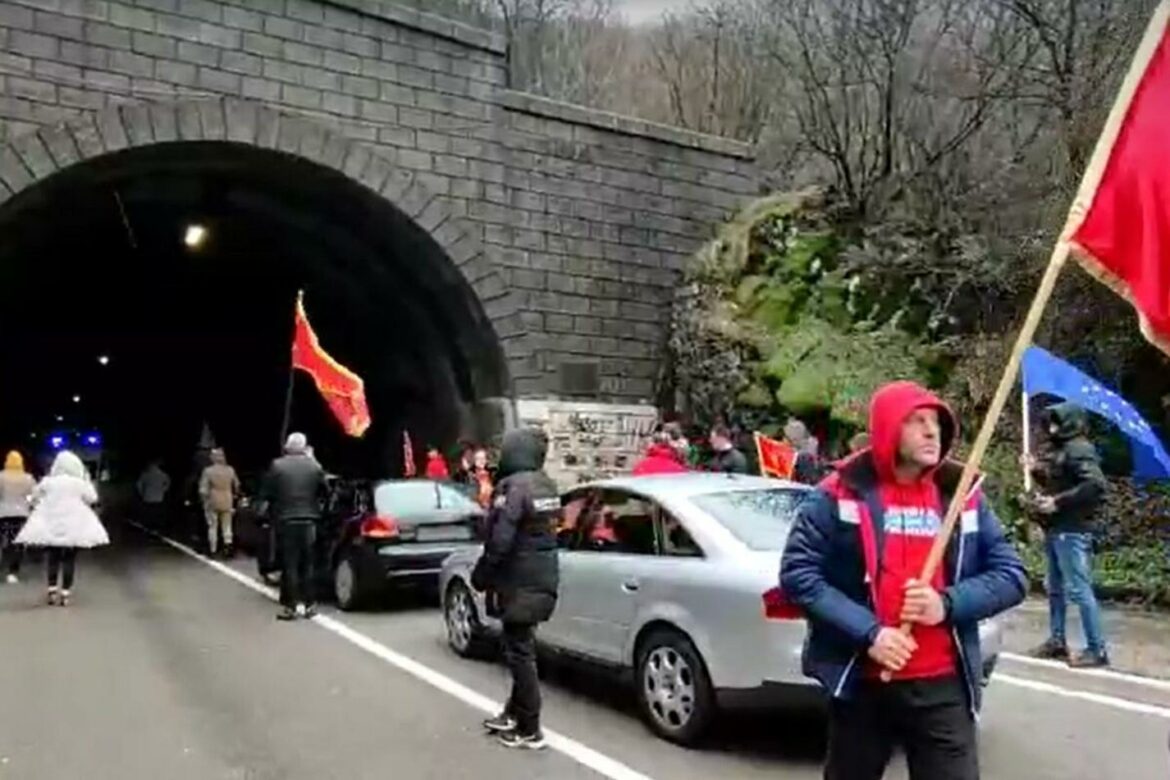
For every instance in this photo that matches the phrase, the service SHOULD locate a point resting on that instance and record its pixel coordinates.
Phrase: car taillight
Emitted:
(379, 527)
(778, 607)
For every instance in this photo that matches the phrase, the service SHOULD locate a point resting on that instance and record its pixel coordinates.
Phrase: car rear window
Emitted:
(403, 499)
(758, 518)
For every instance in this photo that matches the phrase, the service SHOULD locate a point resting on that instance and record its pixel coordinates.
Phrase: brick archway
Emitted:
(33, 157)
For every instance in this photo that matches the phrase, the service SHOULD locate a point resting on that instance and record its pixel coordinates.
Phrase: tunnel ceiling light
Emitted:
(195, 236)
(104, 360)
(76, 399)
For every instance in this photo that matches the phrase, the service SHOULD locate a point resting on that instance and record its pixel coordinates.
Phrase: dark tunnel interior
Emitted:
(112, 326)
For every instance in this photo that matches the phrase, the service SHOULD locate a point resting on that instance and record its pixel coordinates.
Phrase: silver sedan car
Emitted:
(672, 580)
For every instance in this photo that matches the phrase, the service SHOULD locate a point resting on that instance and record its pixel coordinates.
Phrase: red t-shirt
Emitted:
(912, 519)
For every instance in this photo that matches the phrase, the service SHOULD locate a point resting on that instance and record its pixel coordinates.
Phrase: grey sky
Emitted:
(639, 11)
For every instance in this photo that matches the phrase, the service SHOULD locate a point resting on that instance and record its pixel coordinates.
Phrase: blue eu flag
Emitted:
(1046, 373)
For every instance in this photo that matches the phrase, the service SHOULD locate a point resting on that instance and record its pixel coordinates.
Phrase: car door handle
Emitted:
(629, 586)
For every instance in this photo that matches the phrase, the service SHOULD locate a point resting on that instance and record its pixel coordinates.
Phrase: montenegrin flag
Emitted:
(777, 458)
(343, 390)
(1120, 224)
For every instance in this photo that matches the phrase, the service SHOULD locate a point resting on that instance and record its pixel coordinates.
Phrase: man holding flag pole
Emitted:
(1119, 230)
(295, 484)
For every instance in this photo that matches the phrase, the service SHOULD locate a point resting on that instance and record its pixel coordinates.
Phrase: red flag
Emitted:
(1123, 237)
(342, 389)
(777, 458)
(409, 468)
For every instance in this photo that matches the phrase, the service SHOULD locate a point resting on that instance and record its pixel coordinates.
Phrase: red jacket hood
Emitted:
(889, 408)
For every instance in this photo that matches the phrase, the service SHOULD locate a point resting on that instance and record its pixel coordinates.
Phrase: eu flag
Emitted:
(1045, 373)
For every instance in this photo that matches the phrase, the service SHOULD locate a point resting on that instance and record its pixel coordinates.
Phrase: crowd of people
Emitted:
(852, 562)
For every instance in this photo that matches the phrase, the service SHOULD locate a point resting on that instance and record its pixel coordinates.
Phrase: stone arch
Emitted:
(36, 156)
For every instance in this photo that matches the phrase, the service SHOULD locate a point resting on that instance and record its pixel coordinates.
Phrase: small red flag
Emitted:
(409, 467)
(777, 458)
(342, 389)
(1123, 237)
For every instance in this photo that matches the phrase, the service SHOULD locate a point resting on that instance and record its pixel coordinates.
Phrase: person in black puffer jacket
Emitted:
(518, 571)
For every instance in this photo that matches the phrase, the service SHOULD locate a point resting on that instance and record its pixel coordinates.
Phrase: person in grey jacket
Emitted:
(16, 491)
(519, 572)
(294, 490)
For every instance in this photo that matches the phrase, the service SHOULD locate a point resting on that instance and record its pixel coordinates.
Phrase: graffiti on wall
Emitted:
(589, 441)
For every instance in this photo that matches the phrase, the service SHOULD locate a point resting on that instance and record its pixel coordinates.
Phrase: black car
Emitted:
(377, 536)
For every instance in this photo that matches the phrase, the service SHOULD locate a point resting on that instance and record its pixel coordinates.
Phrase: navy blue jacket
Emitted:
(833, 556)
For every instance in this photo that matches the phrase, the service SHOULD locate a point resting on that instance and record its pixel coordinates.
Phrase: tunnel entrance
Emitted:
(148, 291)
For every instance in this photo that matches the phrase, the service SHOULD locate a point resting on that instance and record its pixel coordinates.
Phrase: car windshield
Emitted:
(402, 499)
(758, 518)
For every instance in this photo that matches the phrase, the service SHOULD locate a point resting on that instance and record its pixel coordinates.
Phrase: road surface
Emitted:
(167, 667)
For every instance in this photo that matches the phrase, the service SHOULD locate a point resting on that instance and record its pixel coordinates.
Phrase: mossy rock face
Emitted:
(772, 320)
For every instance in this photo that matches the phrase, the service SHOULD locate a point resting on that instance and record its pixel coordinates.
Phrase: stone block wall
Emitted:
(584, 218)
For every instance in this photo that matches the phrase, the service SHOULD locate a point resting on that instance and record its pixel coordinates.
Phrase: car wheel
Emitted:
(348, 589)
(674, 690)
(465, 633)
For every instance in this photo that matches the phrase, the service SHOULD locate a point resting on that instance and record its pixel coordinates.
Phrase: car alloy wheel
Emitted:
(460, 619)
(674, 690)
(345, 584)
(668, 685)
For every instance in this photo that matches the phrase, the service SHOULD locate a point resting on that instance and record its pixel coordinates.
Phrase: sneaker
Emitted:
(310, 611)
(64, 600)
(12, 579)
(52, 599)
(500, 723)
(1089, 660)
(301, 611)
(1052, 650)
(286, 614)
(514, 739)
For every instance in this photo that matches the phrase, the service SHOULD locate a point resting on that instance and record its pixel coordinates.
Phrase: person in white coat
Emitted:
(63, 521)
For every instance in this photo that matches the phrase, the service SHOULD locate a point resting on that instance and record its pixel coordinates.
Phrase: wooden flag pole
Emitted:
(1094, 173)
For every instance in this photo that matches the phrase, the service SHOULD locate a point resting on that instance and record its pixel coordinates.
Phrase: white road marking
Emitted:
(1072, 693)
(1104, 674)
(577, 751)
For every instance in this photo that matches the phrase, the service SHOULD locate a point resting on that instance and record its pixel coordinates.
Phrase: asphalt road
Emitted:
(165, 667)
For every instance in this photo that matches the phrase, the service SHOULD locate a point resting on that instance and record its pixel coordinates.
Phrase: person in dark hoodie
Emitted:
(852, 562)
(1072, 490)
(519, 572)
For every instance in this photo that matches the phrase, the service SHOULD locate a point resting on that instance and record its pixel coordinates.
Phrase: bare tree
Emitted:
(1082, 50)
(709, 64)
(886, 92)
